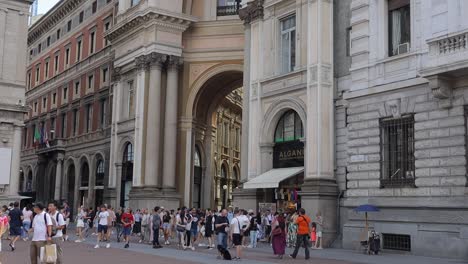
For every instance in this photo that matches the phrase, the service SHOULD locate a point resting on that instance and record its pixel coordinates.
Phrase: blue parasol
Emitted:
(366, 208)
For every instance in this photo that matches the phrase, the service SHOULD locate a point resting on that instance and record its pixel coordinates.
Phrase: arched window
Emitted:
(21, 183)
(100, 173)
(84, 175)
(197, 159)
(223, 172)
(289, 127)
(128, 153)
(29, 182)
(236, 174)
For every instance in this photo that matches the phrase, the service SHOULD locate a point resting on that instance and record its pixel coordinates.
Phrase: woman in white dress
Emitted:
(80, 222)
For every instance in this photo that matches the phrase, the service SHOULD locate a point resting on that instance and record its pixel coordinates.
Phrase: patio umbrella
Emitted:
(366, 208)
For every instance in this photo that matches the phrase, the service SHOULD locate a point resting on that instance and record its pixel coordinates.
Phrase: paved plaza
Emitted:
(79, 253)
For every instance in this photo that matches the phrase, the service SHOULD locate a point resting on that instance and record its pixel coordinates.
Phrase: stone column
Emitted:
(139, 146)
(15, 161)
(170, 124)
(58, 177)
(115, 155)
(153, 122)
(319, 192)
(118, 188)
(245, 107)
(207, 178)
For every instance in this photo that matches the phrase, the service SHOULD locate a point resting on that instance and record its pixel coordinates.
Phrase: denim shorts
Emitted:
(102, 229)
(127, 231)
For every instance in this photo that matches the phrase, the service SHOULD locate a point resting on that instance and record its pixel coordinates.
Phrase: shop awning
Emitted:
(272, 178)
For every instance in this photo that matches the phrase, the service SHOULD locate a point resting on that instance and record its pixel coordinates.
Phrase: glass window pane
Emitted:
(289, 126)
(285, 52)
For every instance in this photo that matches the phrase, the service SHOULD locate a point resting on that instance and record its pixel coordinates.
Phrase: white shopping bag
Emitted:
(48, 254)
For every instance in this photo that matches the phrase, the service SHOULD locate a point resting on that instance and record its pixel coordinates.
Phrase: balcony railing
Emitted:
(228, 10)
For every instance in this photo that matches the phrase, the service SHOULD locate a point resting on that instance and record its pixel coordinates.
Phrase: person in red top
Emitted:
(127, 221)
(303, 232)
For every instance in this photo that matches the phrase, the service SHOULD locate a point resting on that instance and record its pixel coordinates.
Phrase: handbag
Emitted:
(277, 231)
(48, 253)
(180, 228)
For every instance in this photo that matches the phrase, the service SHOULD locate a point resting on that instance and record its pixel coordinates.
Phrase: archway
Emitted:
(215, 106)
(197, 178)
(127, 175)
(99, 184)
(71, 185)
(29, 182)
(22, 180)
(84, 183)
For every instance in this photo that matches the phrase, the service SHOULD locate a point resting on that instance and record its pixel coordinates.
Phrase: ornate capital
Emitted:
(142, 62)
(116, 74)
(253, 11)
(174, 62)
(157, 59)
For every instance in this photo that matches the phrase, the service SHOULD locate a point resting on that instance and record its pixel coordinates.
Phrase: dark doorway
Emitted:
(127, 175)
(84, 184)
(71, 188)
(197, 179)
(99, 184)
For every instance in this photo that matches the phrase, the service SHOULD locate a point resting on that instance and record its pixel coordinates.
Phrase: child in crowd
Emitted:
(313, 234)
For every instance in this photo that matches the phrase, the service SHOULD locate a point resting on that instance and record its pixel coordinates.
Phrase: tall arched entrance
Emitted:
(99, 184)
(215, 108)
(127, 175)
(71, 184)
(84, 183)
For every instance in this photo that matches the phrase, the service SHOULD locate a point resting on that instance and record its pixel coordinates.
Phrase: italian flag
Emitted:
(37, 137)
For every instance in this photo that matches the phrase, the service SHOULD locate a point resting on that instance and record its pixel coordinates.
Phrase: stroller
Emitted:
(372, 244)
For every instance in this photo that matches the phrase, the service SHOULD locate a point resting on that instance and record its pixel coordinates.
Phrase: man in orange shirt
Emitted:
(303, 231)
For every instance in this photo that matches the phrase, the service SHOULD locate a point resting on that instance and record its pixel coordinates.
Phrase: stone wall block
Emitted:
(357, 193)
(440, 191)
(424, 172)
(456, 111)
(441, 132)
(382, 192)
(424, 163)
(373, 157)
(374, 174)
(369, 132)
(421, 117)
(358, 175)
(426, 125)
(457, 191)
(452, 141)
(357, 109)
(352, 184)
(440, 171)
(453, 161)
(358, 125)
(369, 149)
(423, 191)
(358, 142)
(452, 121)
(427, 181)
(353, 168)
(457, 131)
(342, 162)
(421, 134)
(426, 106)
(422, 154)
(374, 140)
(440, 152)
(353, 134)
(369, 183)
(453, 181)
(456, 171)
(424, 144)
(458, 151)
(437, 114)
(369, 166)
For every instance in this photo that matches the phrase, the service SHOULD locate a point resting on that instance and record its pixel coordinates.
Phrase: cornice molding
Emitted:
(252, 12)
(165, 21)
(52, 18)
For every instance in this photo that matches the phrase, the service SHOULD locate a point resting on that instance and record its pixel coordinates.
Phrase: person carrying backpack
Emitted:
(156, 223)
(58, 224)
(42, 232)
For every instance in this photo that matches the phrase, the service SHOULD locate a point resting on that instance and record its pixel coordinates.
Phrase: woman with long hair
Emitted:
(80, 224)
(180, 228)
(278, 236)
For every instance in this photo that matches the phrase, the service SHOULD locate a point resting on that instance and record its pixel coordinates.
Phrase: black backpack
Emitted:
(54, 227)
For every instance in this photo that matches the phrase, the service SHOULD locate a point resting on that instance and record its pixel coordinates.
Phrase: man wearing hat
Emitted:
(42, 229)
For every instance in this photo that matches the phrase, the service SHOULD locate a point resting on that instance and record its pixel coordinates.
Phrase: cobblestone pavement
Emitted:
(79, 253)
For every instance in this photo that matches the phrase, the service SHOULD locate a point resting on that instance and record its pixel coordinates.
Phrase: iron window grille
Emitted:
(397, 242)
(397, 152)
(228, 7)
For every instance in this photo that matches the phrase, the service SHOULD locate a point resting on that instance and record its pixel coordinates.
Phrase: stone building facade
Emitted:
(386, 80)
(13, 34)
(66, 140)
(175, 63)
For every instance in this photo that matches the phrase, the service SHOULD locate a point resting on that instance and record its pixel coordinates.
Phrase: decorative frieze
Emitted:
(252, 12)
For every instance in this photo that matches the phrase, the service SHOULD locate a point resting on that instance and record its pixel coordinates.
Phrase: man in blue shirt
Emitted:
(16, 222)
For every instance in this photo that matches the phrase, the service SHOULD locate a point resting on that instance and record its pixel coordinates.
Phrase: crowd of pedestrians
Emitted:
(188, 228)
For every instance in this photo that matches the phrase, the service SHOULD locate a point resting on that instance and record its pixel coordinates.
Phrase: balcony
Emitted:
(228, 8)
(54, 145)
(447, 54)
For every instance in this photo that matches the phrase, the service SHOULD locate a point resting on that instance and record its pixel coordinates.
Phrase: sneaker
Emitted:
(97, 246)
(291, 256)
(108, 245)
(126, 246)
(193, 248)
(140, 241)
(12, 247)
(77, 241)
